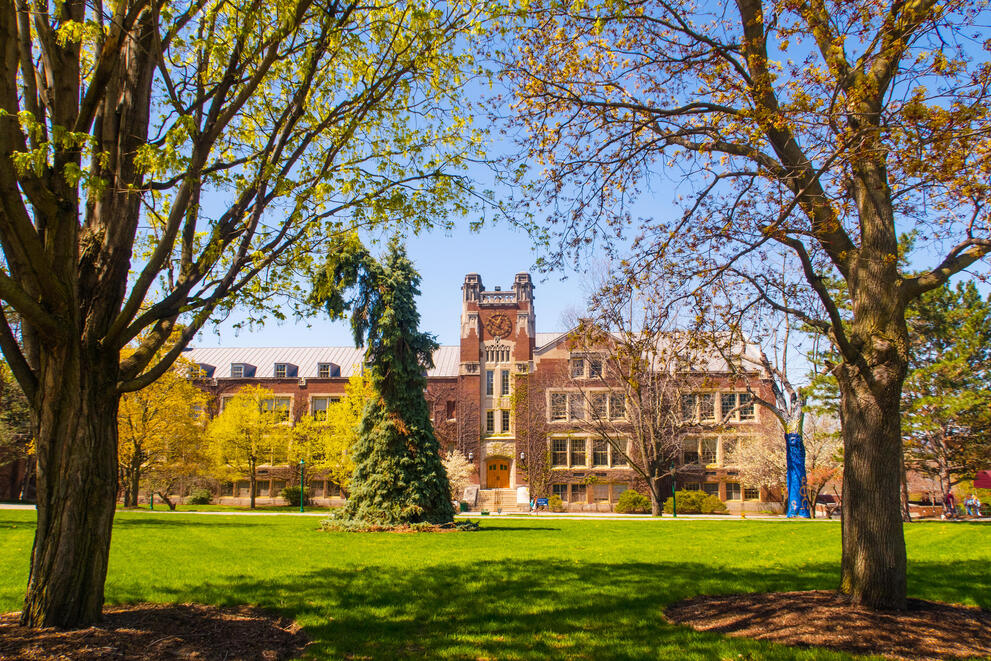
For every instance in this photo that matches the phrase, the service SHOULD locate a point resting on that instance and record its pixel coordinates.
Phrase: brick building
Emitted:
(506, 397)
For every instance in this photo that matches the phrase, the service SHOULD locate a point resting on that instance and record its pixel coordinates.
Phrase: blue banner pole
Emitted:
(798, 499)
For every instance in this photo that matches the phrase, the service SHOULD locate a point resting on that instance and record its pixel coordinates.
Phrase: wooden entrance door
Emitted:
(497, 473)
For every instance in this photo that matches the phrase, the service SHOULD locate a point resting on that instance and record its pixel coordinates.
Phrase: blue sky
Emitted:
(497, 252)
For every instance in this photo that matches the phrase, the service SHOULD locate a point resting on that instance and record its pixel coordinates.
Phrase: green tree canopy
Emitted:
(163, 162)
(819, 128)
(248, 432)
(946, 403)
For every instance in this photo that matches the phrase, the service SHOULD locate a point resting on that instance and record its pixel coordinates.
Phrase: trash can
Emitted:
(464, 506)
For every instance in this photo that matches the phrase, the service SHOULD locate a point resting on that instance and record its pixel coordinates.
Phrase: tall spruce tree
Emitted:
(399, 477)
(946, 403)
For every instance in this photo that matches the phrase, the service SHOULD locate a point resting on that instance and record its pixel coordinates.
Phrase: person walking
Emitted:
(949, 505)
(968, 504)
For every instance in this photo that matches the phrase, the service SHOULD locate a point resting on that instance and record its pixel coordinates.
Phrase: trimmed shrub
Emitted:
(555, 504)
(712, 505)
(335, 524)
(632, 502)
(291, 494)
(695, 502)
(200, 497)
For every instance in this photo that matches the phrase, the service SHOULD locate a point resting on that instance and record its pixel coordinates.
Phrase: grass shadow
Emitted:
(512, 610)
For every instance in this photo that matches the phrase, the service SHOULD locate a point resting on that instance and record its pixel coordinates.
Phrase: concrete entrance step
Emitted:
(495, 500)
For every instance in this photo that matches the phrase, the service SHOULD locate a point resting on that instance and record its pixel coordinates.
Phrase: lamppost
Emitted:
(301, 466)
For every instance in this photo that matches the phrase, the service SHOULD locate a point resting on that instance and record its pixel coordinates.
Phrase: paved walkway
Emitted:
(602, 516)
(553, 516)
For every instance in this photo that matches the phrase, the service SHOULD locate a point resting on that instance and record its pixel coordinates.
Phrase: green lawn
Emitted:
(518, 589)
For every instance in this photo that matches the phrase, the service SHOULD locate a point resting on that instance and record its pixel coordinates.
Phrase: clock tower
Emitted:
(497, 342)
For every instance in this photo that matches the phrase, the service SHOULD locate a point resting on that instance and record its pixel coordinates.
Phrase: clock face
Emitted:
(499, 325)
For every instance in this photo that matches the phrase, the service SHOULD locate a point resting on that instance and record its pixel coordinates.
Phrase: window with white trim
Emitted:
(505, 421)
(319, 406)
(599, 405)
(490, 422)
(600, 452)
(617, 458)
(698, 407)
(738, 406)
(585, 366)
(617, 406)
(690, 450)
(707, 406)
(504, 382)
(576, 406)
(569, 452)
(708, 449)
(279, 405)
(578, 455)
(594, 405)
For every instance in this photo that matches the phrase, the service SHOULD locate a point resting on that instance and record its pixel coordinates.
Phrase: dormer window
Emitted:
(284, 370)
(328, 370)
(242, 370)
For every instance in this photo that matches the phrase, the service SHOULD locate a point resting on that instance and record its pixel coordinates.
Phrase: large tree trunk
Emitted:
(656, 497)
(906, 507)
(133, 477)
(77, 488)
(252, 481)
(870, 380)
(874, 563)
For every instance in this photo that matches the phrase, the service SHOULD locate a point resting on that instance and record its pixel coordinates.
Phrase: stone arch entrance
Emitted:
(497, 472)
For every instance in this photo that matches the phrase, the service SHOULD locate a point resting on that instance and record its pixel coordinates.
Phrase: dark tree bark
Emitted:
(168, 501)
(656, 488)
(874, 559)
(252, 484)
(77, 437)
(815, 153)
(132, 478)
(103, 242)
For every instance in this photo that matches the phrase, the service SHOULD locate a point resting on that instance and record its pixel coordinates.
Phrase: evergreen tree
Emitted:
(946, 405)
(398, 477)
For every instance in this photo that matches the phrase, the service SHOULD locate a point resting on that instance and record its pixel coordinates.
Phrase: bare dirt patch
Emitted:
(157, 632)
(927, 630)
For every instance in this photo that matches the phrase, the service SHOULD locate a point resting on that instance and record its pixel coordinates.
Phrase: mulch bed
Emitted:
(927, 630)
(158, 632)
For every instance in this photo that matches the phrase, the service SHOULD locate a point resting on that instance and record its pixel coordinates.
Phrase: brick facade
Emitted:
(489, 398)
